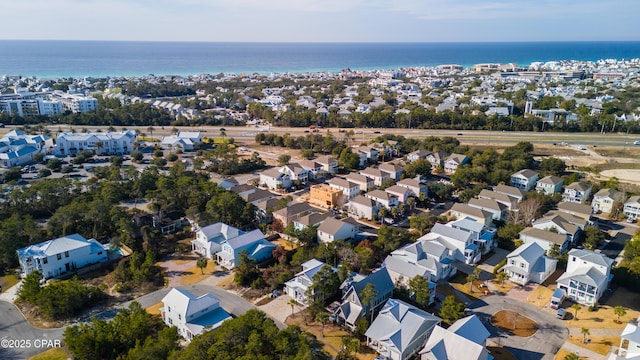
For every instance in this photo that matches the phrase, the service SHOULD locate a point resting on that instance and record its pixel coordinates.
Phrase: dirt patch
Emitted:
(628, 175)
(498, 352)
(154, 309)
(600, 344)
(562, 353)
(514, 323)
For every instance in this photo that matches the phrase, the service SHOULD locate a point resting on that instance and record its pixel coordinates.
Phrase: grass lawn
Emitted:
(514, 323)
(8, 281)
(51, 354)
(603, 318)
(600, 344)
(194, 274)
(562, 353)
(541, 296)
(154, 309)
(286, 244)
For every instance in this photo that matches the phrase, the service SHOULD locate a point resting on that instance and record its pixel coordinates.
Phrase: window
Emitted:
(66, 254)
(522, 265)
(512, 262)
(59, 256)
(45, 260)
(179, 317)
(99, 252)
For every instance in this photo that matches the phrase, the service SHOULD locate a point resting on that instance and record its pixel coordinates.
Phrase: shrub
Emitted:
(500, 264)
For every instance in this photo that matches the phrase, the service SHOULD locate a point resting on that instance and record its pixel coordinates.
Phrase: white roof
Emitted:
(187, 304)
(58, 246)
(530, 252)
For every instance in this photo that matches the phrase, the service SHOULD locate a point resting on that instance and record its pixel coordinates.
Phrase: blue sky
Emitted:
(321, 20)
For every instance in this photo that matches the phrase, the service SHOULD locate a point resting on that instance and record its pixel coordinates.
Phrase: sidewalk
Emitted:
(10, 294)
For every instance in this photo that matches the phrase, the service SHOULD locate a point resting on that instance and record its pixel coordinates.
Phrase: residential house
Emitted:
(395, 171)
(298, 287)
(352, 306)
(437, 159)
(274, 179)
(587, 276)
(604, 200)
(524, 179)
(416, 186)
(349, 189)
(453, 161)
(191, 314)
(579, 210)
(334, 229)
(363, 207)
(510, 191)
(314, 170)
(400, 330)
(364, 182)
(577, 192)
(466, 339)
(429, 259)
(563, 223)
(296, 172)
(17, 148)
(370, 153)
(546, 239)
(265, 208)
(253, 242)
(186, 141)
(458, 241)
(328, 163)
(460, 211)
(310, 220)
(418, 155)
(383, 198)
(292, 212)
(629, 342)
(377, 175)
(497, 209)
(209, 238)
(529, 264)
(326, 196)
(549, 185)
(481, 235)
(402, 193)
(256, 196)
(60, 257)
(509, 202)
(631, 207)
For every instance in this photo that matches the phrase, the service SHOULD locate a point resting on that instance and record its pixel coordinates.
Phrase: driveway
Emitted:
(544, 344)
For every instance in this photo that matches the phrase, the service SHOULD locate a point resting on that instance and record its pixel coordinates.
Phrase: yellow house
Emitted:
(326, 196)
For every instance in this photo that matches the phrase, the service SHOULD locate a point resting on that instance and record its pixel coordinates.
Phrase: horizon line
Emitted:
(335, 42)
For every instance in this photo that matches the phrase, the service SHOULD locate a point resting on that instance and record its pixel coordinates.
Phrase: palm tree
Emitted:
(502, 276)
(585, 332)
(322, 318)
(150, 130)
(577, 308)
(471, 278)
(202, 264)
(572, 356)
(292, 303)
(368, 296)
(619, 311)
(411, 202)
(382, 213)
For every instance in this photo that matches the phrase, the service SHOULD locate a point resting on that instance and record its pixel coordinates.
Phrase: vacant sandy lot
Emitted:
(628, 175)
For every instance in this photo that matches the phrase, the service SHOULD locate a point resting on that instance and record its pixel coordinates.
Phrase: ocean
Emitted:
(56, 59)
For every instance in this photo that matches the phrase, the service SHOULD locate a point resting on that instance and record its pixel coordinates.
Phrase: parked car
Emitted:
(561, 314)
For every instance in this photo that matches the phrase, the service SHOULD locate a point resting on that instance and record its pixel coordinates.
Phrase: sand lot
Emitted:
(628, 175)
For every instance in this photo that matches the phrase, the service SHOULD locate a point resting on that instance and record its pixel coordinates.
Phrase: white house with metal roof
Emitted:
(524, 179)
(333, 229)
(429, 259)
(577, 192)
(253, 242)
(298, 287)
(629, 342)
(587, 276)
(191, 314)
(400, 330)
(631, 207)
(458, 241)
(209, 238)
(466, 339)
(528, 263)
(62, 256)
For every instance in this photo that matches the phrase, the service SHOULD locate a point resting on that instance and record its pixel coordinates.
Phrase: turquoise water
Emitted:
(53, 59)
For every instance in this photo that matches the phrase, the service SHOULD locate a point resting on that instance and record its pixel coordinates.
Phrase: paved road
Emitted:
(13, 326)
(544, 344)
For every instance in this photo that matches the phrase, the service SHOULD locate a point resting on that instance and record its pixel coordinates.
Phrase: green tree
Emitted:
(201, 263)
(322, 317)
(451, 309)
(283, 159)
(554, 251)
(325, 284)
(572, 356)
(293, 303)
(31, 287)
(368, 295)
(246, 271)
(593, 237)
(502, 276)
(470, 279)
(577, 308)
(619, 311)
(419, 287)
(585, 332)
